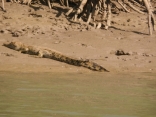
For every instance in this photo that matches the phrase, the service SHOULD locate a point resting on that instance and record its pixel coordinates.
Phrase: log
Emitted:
(53, 54)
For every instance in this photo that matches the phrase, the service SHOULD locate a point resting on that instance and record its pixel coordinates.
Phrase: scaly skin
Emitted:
(55, 55)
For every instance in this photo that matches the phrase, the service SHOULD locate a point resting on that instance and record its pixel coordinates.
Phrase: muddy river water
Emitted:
(77, 94)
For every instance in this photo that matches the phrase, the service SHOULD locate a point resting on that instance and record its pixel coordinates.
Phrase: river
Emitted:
(77, 94)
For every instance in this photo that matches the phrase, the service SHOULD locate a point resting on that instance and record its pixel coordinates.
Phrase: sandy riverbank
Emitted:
(50, 28)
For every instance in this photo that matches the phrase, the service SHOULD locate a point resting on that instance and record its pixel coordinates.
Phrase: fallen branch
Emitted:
(52, 54)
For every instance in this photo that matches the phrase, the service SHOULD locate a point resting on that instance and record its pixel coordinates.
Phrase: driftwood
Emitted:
(52, 54)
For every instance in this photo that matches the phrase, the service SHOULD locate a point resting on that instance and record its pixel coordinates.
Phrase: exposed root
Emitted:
(123, 7)
(151, 19)
(137, 4)
(132, 7)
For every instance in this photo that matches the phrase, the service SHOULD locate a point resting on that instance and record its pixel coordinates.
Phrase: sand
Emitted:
(37, 25)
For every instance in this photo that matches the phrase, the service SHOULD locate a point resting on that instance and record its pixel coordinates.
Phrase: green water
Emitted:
(78, 95)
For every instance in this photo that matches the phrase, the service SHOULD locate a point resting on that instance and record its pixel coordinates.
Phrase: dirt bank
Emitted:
(40, 26)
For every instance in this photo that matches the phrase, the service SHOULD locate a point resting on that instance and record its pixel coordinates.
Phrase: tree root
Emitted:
(52, 54)
(151, 19)
(137, 4)
(132, 7)
(123, 7)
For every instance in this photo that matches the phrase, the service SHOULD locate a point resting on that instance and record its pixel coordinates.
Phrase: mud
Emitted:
(39, 26)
